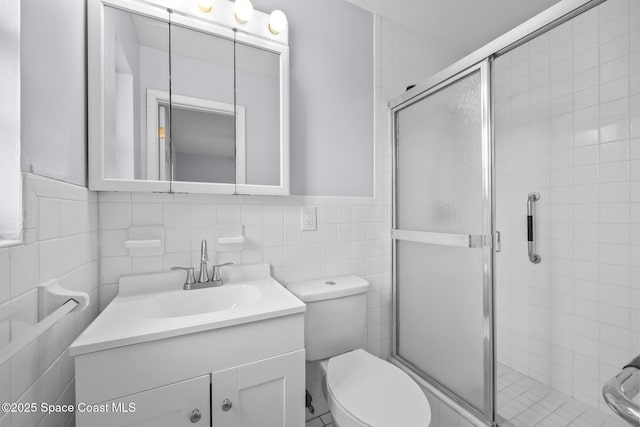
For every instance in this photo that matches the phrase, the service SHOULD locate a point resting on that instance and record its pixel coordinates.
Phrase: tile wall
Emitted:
(352, 238)
(567, 118)
(60, 241)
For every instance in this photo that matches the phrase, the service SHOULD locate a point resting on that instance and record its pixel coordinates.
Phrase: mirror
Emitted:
(136, 61)
(258, 91)
(203, 125)
(185, 105)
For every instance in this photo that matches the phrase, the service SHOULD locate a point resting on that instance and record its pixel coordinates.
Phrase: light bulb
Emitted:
(277, 22)
(243, 11)
(205, 5)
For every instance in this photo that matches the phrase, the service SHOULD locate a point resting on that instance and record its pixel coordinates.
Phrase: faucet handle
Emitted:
(215, 276)
(190, 280)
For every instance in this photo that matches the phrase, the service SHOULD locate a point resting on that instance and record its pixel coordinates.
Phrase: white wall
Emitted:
(331, 54)
(568, 126)
(53, 85)
(60, 241)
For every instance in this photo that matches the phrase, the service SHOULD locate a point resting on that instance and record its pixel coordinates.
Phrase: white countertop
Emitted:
(133, 316)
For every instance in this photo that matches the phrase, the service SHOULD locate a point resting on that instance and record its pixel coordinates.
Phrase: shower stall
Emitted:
(516, 220)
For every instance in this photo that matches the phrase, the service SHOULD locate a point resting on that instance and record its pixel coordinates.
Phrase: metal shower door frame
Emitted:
(484, 241)
(483, 57)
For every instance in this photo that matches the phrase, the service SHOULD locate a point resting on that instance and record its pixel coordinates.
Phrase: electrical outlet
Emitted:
(308, 218)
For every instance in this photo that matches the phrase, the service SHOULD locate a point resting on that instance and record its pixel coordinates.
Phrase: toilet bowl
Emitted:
(361, 389)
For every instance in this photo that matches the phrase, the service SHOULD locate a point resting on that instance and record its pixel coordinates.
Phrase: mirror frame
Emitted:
(222, 24)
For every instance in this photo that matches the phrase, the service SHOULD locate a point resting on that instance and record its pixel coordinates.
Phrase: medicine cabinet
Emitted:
(182, 101)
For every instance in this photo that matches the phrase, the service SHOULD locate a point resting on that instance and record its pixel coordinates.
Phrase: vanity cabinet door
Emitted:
(269, 392)
(181, 404)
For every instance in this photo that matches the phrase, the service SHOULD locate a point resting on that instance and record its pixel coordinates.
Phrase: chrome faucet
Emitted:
(204, 257)
(216, 280)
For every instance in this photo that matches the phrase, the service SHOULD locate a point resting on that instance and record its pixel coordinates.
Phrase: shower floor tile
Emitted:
(523, 402)
(323, 420)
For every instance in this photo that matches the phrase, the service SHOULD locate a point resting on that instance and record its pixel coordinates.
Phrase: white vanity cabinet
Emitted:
(256, 394)
(223, 356)
(182, 404)
(263, 393)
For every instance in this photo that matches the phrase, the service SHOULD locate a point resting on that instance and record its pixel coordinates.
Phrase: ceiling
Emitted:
(464, 25)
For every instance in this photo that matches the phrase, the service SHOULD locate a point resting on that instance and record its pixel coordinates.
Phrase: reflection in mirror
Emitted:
(258, 90)
(135, 61)
(203, 128)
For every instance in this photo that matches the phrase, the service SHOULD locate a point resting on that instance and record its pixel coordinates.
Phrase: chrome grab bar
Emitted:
(533, 257)
(619, 391)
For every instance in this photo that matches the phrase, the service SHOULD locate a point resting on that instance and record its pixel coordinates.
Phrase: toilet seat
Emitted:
(373, 392)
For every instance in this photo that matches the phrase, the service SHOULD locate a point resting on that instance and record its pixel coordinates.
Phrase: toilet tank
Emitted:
(336, 316)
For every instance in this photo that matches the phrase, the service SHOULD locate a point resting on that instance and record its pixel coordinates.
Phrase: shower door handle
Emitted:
(531, 246)
(445, 239)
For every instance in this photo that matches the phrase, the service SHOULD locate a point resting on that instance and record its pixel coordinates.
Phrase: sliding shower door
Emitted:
(442, 234)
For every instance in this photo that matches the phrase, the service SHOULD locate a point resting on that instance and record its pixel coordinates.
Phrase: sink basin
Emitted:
(154, 306)
(201, 301)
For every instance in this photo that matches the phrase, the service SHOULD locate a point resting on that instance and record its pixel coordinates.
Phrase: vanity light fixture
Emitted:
(277, 22)
(205, 6)
(243, 11)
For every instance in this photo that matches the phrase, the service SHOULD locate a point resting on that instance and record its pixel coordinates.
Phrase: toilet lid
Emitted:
(376, 392)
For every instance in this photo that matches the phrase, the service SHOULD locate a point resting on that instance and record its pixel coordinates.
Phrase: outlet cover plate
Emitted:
(308, 218)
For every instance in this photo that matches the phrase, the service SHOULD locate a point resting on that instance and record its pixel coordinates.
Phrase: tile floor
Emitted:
(524, 402)
(323, 420)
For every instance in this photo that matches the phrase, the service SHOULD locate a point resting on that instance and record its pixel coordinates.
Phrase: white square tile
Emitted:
(292, 255)
(329, 233)
(48, 218)
(115, 215)
(49, 260)
(273, 215)
(328, 214)
(24, 314)
(177, 240)
(614, 69)
(273, 235)
(179, 214)
(311, 271)
(251, 214)
(345, 215)
(114, 267)
(612, 9)
(52, 383)
(74, 217)
(25, 369)
(147, 214)
(254, 236)
(311, 254)
(147, 264)
(112, 242)
(292, 235)
(311, 237)
(274, 256)
(614, 28)
(24, 268)
(292, 214)
(5, 275)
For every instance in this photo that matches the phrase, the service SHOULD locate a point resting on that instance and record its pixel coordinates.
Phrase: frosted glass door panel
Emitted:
(442, 240)
(439, 292)
(439, 160)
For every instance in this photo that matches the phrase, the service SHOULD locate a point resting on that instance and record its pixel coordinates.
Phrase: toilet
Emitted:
(361, 389)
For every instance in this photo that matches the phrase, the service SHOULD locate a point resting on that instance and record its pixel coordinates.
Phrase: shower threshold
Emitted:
(524, 402)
